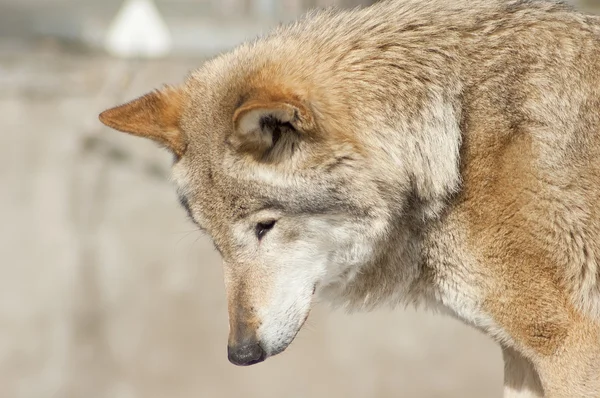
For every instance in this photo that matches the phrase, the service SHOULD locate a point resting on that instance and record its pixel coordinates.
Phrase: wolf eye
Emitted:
(263, 227)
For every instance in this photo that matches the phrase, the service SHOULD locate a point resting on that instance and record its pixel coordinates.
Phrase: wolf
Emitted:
(441, 153)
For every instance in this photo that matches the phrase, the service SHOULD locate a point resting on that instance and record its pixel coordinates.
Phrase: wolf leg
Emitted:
(520, 378)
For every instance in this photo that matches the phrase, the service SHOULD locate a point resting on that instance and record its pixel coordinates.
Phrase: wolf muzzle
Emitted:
(243, 347)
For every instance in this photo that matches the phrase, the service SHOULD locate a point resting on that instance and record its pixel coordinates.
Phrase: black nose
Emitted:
(246, 354)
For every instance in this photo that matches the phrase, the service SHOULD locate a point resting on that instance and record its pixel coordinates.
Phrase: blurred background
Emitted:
(106, 290)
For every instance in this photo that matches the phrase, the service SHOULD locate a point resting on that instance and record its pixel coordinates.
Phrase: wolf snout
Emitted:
(245, 354)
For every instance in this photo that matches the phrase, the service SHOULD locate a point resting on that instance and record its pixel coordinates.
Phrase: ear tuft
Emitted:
(155, 115)
(259, 125)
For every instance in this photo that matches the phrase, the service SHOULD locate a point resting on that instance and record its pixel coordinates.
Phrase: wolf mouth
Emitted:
(284, 346)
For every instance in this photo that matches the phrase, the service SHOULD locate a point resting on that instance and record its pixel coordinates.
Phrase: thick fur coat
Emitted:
(428, 151)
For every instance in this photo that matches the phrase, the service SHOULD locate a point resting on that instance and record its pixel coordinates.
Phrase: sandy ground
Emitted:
(106, 290)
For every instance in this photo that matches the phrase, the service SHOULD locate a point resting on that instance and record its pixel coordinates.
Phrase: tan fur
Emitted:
(155, 116)
(243, 319)
(435, 152)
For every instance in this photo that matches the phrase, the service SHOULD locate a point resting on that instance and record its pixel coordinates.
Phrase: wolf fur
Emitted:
(435, 152)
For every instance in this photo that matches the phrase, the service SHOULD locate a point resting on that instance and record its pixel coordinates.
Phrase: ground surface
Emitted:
(106, 291)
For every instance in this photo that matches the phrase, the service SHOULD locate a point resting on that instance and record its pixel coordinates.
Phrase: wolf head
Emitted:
(307, 179)
(286, 203)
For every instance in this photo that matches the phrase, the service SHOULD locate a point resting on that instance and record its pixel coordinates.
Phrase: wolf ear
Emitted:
(259, 125)
(156, 116)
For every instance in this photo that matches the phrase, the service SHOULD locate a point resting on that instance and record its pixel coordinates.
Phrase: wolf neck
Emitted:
(414, 142)
(427, 258)
(423, 263)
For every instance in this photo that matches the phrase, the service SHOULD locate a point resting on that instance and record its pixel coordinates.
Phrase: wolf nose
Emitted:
(246, 354)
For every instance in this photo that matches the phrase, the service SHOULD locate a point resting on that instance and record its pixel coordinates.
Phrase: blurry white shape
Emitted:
(138, 30)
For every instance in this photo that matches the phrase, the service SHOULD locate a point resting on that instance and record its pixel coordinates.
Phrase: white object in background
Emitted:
(138, 30)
